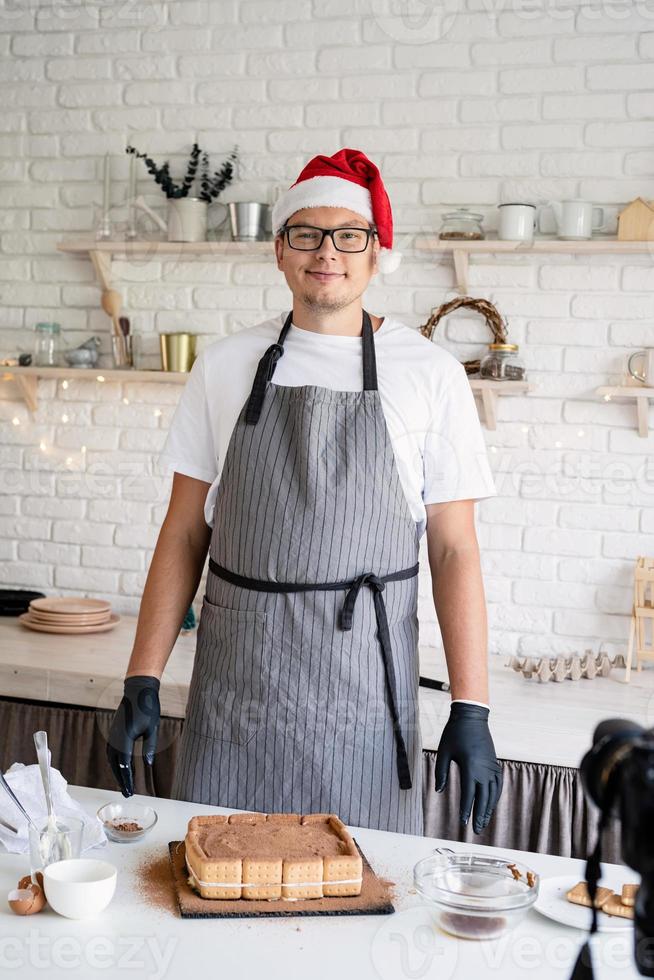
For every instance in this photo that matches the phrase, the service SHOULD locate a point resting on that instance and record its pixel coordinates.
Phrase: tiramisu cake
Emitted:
(272, 856)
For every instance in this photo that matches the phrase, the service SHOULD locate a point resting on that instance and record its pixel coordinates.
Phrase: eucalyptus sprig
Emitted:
(210, 186)
(214, 184)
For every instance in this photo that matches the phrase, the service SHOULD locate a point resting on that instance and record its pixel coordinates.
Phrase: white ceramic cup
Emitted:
(647, 374)
(517, 222)
(79, 888)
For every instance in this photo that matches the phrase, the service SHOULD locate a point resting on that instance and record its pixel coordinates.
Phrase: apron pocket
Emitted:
(227, 691)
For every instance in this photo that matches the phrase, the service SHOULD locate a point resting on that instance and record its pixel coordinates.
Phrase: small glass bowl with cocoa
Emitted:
(475, 896)
(126, 822)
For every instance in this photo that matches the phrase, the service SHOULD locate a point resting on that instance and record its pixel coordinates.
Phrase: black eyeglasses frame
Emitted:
(284, 230)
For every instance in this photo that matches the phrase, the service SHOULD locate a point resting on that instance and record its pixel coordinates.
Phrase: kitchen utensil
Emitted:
(177, 351)
(5, 785)
(47, 344)
(8, 826)
(54, 845)
(646, 377)
(32, 624)
(475, 896)
(70, 841)
(112, 304)
(517, 222)
(248, 220)
(68, 605)
(121, 348)
(113, 815)
(124, 325)
(574, 219)
(462, 224)
(79, 888)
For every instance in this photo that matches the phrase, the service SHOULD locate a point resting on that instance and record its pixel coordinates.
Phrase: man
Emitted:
(311, 492)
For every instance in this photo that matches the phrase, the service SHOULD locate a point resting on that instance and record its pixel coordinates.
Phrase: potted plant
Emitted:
(187, 214)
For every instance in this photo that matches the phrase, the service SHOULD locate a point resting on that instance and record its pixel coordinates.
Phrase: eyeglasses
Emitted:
(308, 238)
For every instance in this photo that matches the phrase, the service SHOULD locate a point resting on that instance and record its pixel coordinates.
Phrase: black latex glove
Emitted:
(136, 716)
(466, 739)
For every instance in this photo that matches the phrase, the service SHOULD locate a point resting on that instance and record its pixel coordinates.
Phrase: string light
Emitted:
(157, 413)
(42, 446)
(15, 420)
(100, 377)
(64, 417)
(64, 384)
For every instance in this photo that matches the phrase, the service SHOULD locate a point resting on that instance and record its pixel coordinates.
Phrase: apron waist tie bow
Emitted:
(377, 583)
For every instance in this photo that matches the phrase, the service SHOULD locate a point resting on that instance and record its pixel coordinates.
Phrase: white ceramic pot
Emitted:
(79, 888)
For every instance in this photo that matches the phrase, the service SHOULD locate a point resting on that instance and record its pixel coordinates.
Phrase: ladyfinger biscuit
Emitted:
(615, 907)
(629, 895)
(579, 895)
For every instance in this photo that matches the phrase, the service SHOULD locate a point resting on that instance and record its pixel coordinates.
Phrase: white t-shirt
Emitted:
(428, 405)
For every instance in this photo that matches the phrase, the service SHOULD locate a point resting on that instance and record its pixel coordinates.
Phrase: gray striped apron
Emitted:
(304, 691)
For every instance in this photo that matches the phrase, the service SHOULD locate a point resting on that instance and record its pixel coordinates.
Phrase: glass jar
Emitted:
(502, 363)
(47, 344)
(462, 224)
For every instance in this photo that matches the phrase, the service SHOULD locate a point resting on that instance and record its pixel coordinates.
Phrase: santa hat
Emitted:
(348, 179)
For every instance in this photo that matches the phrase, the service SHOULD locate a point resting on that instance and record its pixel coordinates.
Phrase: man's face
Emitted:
(327, 279)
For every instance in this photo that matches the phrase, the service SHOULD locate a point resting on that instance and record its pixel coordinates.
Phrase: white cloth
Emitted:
(27, 784)
(428, 405)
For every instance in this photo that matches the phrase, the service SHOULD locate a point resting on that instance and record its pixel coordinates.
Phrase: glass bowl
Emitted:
(113, 815)
(475, 896)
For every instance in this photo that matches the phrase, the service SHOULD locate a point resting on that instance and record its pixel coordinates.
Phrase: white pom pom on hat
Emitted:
(348, 179)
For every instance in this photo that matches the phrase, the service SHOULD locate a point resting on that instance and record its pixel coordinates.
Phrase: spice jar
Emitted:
(462, 224)
(46, 344)
(502, 363)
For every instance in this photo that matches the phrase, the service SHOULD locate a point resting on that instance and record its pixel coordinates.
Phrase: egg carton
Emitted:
(561, 668)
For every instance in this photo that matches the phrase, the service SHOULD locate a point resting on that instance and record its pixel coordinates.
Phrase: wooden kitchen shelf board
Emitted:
(27, 380)
(102, 253)
(642, 396)
(462, 250)
(27, 377)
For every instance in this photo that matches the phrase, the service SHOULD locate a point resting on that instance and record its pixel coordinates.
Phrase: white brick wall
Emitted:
(479, 102)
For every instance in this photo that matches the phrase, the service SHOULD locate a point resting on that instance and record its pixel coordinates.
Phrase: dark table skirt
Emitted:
(542, 809)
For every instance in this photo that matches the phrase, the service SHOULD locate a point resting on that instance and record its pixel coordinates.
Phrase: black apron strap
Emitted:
(268, 363)
(265, 371)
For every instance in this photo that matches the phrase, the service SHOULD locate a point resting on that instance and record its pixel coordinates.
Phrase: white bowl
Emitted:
(79, 888)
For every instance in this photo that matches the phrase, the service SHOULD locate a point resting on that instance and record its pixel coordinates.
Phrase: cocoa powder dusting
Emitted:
(154, 882)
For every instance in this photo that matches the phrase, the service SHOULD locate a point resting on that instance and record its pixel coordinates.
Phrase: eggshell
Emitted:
(28, 898)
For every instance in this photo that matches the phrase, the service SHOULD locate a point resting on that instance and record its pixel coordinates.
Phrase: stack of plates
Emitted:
(61, 615)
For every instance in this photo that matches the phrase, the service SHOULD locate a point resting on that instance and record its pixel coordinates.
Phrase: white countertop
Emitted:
(549, 723)
(132, 939)
(530, 722)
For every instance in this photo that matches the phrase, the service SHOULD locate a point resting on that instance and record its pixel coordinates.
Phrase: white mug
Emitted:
(574, 219)
(647, 376)
(517, 222)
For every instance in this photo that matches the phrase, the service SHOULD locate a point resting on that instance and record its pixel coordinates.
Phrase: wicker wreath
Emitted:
(496, 323)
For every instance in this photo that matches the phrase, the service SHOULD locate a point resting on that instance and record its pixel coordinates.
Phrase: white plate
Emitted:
(552, 902)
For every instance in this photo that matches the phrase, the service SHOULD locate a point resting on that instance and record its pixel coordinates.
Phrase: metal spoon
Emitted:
(5, 785)
(54, 845)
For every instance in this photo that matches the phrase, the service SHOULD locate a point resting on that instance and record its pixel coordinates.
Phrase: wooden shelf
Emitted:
(641, 394)
(27, 381)
(462, 250)
(27, 378)
(491, 390)
(102, 253)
